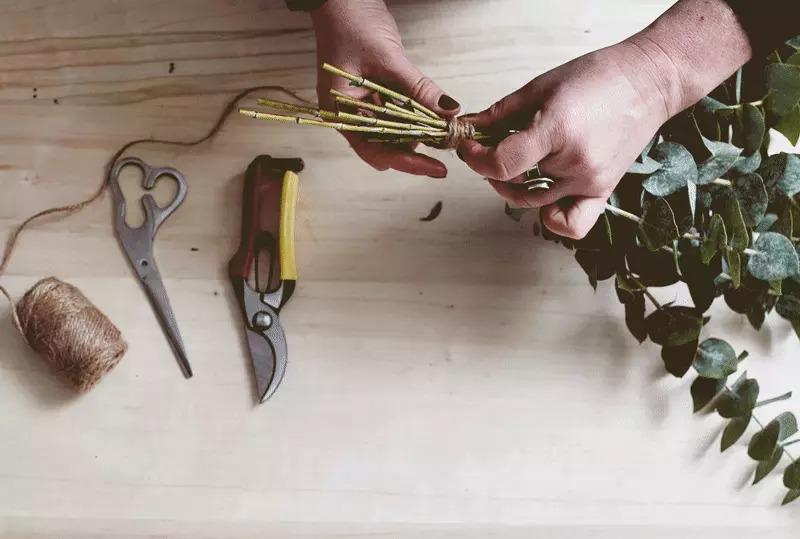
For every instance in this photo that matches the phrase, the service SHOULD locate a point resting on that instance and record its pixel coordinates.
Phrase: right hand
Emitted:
(361, 37)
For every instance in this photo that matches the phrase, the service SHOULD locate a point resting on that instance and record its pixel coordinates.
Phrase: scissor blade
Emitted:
(268, 355)
(158, 296)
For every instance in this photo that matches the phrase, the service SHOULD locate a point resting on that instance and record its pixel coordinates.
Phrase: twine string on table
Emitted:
(55, 318)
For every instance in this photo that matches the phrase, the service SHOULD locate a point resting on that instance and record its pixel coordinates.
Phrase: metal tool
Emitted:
(267, 242)
(138, 244)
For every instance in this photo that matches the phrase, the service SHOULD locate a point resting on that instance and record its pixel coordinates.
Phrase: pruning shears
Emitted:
(263, 271)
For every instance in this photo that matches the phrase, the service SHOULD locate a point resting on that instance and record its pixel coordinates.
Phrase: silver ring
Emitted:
(533, 174)
(534, 179)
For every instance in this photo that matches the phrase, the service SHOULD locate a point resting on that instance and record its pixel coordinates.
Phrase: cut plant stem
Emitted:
(406, 115)
(722, 181)
(339, 126)
(290, 107)
(368, 120)
(783, 397)
(361, 81)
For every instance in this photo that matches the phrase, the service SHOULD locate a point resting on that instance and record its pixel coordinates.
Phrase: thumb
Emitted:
(574, 221)
(423, 90)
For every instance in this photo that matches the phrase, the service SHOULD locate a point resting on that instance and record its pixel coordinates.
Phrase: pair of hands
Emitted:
(583, 123)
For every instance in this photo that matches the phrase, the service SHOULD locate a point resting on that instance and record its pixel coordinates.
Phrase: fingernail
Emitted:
(448, 103)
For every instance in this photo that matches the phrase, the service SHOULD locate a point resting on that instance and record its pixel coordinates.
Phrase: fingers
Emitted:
(576, 220)
(423, 90)
(514, 155)
(401, 158)
(520, 196)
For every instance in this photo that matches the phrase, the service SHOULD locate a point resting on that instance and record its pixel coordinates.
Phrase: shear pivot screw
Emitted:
(262, 320)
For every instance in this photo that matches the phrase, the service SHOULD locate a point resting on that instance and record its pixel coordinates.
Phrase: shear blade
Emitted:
(269, 364)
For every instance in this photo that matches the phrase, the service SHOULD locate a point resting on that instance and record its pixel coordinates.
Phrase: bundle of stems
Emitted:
(399, 119)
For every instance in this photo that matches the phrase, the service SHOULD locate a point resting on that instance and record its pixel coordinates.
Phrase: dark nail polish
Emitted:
(448, 103)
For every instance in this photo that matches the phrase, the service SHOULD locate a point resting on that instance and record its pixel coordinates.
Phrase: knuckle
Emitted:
(422, 86)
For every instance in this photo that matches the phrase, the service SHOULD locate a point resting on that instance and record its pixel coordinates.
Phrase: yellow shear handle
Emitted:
(288, 201)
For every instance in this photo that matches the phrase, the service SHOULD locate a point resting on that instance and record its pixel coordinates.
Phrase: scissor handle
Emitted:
(269, 195)
(154, 214)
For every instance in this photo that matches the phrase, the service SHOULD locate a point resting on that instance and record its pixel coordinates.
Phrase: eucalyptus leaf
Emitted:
(749, 190)
(781, 172)
(783, 83)
(746, 165)
(788, 307)
(716, 240)
(715, 359)
(776, 286)
(789, 125)
(677, 167)
(634, 317)
(723, 156)
(678, 359)
(739, 400)
(775, 258)
(735, 226)
(657, 227)
(734, 260)
(673, 326)
(647, 166)
(734, 430)
(763, 443)
(756, 316)
(766, 466)
(788, 425)
(754, 128)
(704, 390)
(791, 496)
(794, 43)
(791, 476)
(766, 222)
(691, 189)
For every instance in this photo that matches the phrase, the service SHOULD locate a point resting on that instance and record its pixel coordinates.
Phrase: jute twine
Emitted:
(55, 319)
(458, 131)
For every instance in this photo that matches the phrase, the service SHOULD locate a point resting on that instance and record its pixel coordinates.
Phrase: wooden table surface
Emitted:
(454, 378)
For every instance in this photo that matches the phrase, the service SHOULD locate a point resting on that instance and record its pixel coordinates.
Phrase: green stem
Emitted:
(783, 397)
(791, 443)
(622, 213)
(645, 291)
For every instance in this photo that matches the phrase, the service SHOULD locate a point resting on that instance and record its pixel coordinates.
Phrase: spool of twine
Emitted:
(77, 339)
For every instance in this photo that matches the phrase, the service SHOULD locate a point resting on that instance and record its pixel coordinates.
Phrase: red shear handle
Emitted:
(261, 213)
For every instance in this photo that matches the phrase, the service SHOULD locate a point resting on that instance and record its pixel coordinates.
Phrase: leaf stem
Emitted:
(622, 213)
(722, 181)
(783, 397)
(645, 291)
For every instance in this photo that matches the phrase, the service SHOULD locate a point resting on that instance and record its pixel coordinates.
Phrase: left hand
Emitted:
(584, 123)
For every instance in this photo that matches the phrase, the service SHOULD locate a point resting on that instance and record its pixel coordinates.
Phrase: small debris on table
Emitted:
(435, 211)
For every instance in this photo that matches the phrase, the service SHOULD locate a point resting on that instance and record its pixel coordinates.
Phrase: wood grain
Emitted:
(454, 378)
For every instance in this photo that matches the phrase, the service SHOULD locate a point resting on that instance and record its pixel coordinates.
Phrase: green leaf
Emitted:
(739, 400)
(766, 466)
(749, 190)
(788, 307)
(756, 317)
(709, 104)
(794, 59)
(776, 287)
(673, 326)
(723, 156)
(753, 127)
(791, 476)
(634, 317)
(783, 83)
(794, 43)
(715, 359)
(781, 172)
(738, 239)
(765, 442)
(657, 227)
(677, 167)
(647, 166)
(766, 223)
(734, 260)
(746, 165)
(734, 430)
(678, 359)
(791, 496)
(704, 390)
(516, 213)
(775, 258)
(762, 445)
(790, 125)
(716, 240)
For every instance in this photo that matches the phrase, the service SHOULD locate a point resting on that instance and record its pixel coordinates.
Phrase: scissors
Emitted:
(267, 242)
(138, 245)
